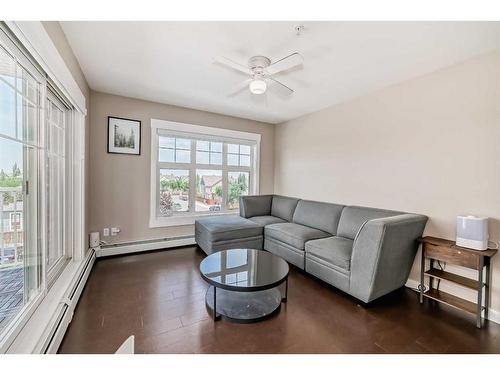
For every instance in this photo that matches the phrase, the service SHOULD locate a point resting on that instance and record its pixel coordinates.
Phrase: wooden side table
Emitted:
(438, 249)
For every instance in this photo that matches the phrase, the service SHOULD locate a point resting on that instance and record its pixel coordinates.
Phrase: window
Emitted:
(20, 148)
(209, 190)
(56, 131)
(174, 191)
(40, 173)
(238, 155)
(198, 170)
(208, 152)
(174, 150)
(238, 183)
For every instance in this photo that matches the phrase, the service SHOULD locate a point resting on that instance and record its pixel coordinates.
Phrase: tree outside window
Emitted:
(174, 191)
(238, 186)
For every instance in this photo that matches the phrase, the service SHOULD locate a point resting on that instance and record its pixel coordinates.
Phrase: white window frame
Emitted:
(15, 325)
(54, 270)
(31, 36)
(187, 218)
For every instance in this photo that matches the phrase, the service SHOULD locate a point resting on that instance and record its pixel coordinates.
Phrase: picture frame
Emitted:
(124, 136)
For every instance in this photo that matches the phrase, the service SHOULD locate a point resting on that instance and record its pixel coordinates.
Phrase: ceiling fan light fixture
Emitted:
(258, 86)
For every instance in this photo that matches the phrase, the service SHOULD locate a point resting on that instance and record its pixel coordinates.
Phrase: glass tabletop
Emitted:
(244, 269)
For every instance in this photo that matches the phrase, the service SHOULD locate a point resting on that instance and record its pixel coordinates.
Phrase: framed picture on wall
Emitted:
(124, 136)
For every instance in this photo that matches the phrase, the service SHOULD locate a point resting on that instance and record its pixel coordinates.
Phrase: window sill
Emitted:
(186, 219)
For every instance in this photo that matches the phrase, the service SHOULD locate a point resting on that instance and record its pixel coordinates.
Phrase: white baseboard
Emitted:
(493, 315)
(138, 246)
(71, 301)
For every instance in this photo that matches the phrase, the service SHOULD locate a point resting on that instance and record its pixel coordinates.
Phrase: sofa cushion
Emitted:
(266, 220)
(353, 217)
(319, 215)
(295, 235)
(334, 250)
(283, 207)
(255, 205)
(226, 227)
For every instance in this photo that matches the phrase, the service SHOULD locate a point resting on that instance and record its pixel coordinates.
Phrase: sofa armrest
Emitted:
(255, 205)
(383, 253)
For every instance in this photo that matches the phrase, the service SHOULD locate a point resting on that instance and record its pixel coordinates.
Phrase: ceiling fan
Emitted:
(261, 70)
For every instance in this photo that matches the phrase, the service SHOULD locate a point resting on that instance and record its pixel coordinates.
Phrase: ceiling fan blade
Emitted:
(236, 89)
(232, 64)
(285, 63)
(279, 87)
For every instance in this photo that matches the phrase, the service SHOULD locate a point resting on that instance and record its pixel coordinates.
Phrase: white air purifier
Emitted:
(472, 232)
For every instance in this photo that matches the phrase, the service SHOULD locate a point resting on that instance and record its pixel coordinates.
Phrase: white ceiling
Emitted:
(172, 62)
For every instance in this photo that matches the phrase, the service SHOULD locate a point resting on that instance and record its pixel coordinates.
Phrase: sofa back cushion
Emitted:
(353, 217)
(319, 215)
(283, 207)
(255, 205)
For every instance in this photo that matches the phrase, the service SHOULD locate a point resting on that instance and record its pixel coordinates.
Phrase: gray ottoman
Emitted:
(227, 232)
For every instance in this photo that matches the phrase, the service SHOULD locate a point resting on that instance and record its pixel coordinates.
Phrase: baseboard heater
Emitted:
(65, 314)
(144, 245)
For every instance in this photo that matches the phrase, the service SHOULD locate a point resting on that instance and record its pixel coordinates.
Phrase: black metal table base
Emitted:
(244, 307)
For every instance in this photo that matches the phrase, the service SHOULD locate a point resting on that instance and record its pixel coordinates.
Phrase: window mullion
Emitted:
(165, 165)
(224, 177)
(158, 189)
(192, 178)
(252, 187)
(239, 169)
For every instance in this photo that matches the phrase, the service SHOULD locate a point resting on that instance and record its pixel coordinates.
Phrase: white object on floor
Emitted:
(128, 346)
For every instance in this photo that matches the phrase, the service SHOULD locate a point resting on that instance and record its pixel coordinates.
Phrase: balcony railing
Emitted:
(11, 253)
(11, 226)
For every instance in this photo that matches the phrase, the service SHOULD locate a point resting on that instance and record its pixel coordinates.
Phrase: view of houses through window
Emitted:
(238, 186)
(208, 190)
(174, 191)
(11, 212)
(202, 175)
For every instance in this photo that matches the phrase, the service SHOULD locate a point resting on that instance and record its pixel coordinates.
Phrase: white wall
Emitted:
(430, 145)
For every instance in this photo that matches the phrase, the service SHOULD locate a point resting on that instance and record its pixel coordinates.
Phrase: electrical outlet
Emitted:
(115, 231)
(105, 232)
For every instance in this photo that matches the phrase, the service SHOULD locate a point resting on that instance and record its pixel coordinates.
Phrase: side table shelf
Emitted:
(438, 249)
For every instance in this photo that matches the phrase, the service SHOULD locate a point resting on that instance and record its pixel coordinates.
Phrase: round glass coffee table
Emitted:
(244, 284)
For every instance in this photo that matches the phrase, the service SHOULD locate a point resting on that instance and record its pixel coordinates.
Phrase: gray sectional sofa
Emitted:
(366, 252)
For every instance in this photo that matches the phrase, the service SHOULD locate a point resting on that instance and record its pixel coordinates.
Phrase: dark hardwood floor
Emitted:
(159, 298)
